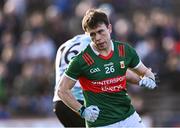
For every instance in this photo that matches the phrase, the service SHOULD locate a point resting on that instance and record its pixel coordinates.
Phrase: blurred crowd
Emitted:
(32, 30)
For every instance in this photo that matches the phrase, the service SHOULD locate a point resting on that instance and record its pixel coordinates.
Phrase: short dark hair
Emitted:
(93, 17)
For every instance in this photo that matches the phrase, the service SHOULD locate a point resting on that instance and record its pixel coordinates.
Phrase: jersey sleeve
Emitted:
(73, 70)
(134, 58)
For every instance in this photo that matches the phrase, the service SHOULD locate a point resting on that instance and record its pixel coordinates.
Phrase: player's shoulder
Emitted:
(84, 57)
(84, 51)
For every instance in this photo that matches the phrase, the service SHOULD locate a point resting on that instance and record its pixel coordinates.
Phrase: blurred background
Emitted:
(32, 30)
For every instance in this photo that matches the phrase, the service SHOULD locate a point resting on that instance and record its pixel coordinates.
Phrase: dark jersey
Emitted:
(103, 80)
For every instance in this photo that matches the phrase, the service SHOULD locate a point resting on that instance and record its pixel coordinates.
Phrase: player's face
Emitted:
(101, 36)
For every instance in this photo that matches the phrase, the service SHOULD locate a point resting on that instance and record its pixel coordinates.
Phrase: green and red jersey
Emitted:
(103, 80)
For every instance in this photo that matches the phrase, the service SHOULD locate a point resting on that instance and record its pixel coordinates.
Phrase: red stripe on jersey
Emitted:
(92, 61)
(110, 85)
(121, 50)
(85, 58)
(88, 59)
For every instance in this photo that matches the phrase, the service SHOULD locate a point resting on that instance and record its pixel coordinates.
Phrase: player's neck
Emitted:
(105, 51)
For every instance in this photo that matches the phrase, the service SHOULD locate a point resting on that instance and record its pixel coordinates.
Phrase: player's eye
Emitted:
(101, 31)
(92, 34)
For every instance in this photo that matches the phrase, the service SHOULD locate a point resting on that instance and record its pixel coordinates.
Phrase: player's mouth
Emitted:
(101, 45)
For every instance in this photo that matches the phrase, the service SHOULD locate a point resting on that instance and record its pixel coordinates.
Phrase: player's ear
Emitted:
(110, 28)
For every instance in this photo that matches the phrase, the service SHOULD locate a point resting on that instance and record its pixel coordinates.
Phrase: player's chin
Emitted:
(102, 47)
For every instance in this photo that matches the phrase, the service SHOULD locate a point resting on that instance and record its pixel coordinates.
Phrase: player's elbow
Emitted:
(60, 93)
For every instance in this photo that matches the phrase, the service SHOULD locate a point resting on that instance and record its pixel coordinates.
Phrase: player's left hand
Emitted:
(147, 82)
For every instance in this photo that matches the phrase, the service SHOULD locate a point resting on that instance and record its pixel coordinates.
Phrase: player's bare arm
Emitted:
(147, 77)
(132, 77)
(64, 92)
(142, 71)
(90, 113)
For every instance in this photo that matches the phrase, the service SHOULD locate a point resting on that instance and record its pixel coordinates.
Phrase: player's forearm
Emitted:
(149, 74)
(132, 77)
(69, 99)
(142, 71)
(64, 92)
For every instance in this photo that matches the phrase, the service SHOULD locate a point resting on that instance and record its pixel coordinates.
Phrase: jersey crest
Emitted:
(122, 65)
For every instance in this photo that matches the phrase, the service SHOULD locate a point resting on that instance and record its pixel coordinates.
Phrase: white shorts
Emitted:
(133, 121)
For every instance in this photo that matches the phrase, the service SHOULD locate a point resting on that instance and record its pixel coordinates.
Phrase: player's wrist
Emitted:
(151, 79)
(147, 77)
(81, 110)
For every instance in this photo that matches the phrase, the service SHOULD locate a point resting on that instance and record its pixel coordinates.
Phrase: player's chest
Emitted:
(101, 68)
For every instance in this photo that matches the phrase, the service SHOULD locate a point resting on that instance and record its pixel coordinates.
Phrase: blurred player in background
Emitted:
(64, 54)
